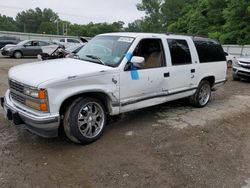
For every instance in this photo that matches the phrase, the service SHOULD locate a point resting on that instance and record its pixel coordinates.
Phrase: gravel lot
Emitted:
(170, 145)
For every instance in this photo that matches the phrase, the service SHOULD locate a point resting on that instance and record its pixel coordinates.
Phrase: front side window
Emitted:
(152, 51)
(179, 50)
(107, 50)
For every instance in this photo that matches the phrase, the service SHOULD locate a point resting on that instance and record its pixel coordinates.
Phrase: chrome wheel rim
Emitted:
(91, 120)
(204, 94)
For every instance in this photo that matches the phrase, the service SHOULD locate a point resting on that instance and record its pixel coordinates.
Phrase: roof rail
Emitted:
(185, 34)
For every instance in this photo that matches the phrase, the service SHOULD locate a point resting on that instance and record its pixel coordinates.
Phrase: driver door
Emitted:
(140, 88)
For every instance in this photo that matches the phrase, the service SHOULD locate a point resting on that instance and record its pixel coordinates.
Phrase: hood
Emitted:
(33, 74)
(245, 59)
(9, 46)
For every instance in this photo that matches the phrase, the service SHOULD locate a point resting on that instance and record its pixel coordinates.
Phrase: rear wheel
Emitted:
(202, 95)
(85, 120)
(17, 54)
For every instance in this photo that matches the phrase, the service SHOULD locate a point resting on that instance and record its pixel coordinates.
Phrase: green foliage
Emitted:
(225, 20)
(7, 23)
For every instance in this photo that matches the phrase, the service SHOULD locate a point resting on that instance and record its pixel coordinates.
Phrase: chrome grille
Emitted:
(17, 97)
(16, 86)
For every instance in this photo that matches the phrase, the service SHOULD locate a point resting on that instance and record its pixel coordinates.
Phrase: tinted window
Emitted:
(209, 50)
(61, 40)
(152, 51)
(179, 50)
(73, 41)
(42, 43)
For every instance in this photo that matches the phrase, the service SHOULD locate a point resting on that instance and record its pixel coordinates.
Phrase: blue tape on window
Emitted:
(129, 56)
(134, 73)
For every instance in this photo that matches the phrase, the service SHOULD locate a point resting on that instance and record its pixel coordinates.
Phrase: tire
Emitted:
(66, 124)
(202, 95)
(235, 77)
(85, 120)
(229, 64)
(17, 54)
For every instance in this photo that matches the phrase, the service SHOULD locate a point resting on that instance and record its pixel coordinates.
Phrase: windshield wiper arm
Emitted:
(95, 57)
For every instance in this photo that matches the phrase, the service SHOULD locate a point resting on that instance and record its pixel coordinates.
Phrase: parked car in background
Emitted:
(241, 68)
(230, 59)
(55, 52)
(4, 40)
(24, 48)
(67, 42)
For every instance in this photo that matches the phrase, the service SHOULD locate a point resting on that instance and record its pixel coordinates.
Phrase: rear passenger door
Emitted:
(181, 69)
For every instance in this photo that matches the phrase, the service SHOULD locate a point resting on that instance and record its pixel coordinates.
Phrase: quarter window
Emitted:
(209, 50)
(179, 50)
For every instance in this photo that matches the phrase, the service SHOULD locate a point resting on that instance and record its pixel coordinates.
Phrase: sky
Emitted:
(79, 11)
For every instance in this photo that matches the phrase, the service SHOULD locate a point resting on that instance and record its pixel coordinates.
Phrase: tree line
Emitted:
(225, 20)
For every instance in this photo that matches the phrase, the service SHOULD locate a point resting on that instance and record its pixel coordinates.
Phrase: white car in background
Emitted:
(230, 59)
(241, 68)
(67, 42)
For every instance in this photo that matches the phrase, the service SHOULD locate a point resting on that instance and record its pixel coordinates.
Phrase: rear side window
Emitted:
(179, 50)
(209, 50)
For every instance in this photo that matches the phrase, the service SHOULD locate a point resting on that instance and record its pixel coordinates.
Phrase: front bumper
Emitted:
(44, 125)
(6, 53)
(241, 72)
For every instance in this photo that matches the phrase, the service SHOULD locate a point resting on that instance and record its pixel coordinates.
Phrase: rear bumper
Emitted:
(44, 125)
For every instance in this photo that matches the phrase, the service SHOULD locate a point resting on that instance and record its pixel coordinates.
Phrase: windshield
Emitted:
(22, 42)
(107, 50)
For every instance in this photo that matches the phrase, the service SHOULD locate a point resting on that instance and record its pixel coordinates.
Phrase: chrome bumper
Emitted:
(45, 125)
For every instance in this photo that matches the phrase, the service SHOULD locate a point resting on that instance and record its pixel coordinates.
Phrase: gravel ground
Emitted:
(170, 145)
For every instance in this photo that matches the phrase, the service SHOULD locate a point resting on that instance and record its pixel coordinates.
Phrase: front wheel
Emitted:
(202, 95)
(17, 54)
(85, 120)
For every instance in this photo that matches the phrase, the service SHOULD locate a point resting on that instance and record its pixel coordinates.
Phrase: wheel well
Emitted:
(101, 96)
(210, 79)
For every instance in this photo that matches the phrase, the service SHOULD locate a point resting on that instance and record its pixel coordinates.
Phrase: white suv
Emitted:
(114, 73)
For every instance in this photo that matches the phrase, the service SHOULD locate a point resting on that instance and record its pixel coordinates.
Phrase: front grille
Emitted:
(246, 67)
(17, 97)
(16, 91)
(244, 73)
(16, 86)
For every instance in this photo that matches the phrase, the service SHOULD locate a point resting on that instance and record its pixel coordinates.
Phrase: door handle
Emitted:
(192, 70)
(166, 74)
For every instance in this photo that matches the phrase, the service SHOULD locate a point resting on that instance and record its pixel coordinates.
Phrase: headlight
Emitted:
(31, 92)
(37, 105)
(236, 63)
(7, 49)
(39, 99)
(40, 94)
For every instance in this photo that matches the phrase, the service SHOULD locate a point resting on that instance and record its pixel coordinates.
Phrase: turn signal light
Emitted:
(43, 107)
(42, 94)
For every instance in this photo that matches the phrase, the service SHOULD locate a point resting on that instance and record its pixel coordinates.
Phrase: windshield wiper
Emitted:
(95, 57)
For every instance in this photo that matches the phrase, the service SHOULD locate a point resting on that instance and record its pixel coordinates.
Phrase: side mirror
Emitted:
(138, 61)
